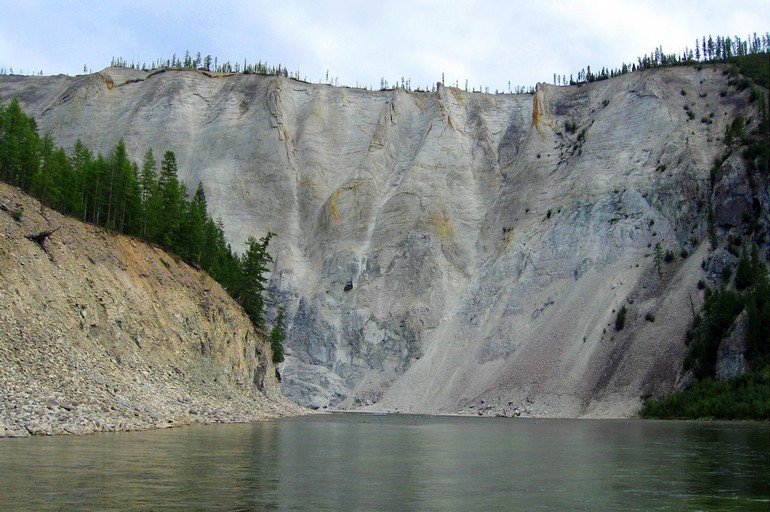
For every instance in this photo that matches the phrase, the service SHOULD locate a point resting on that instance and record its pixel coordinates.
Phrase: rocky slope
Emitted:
(449, 252)
(99, 332)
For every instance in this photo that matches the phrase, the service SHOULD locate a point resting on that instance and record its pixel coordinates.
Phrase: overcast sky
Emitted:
(490, 43)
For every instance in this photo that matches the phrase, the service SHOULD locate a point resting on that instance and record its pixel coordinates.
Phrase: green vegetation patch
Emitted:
(744, 398)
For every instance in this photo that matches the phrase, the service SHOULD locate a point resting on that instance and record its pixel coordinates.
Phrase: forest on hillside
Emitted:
(147, 201)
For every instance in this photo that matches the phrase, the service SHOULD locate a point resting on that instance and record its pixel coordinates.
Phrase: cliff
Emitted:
(450, 252)
(100, 332)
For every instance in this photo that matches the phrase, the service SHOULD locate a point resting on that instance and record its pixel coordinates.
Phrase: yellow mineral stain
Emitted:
(441, 224)
(334, 210)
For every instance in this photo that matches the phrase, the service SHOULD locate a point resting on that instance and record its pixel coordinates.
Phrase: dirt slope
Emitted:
(104, 332)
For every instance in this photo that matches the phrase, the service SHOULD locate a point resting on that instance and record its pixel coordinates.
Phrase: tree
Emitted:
(170, 204)
(252, 280)
(95, 179)
(743, 274)
(123, 203)
(19, 143)
(148, 185)
(758, 310)
(43, 182)
(81, 161)
(277, 337)
(194, 225)
(712, 228)
(719, 311)
(620, 320)
(659, 258)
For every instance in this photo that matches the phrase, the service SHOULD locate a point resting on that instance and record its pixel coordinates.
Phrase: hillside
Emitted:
(103, 332)
(452, 252)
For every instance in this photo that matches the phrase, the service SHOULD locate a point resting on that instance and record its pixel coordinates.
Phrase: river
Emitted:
(400, 463)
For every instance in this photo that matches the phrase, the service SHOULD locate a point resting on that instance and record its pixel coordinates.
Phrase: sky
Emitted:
(490, 43)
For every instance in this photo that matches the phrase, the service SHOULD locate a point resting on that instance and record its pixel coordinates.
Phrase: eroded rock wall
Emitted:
(437, 249)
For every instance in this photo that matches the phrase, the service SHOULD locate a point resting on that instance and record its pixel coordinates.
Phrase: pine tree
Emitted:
(81, 161)
(148, 184)
(43, 182)
(123, 200)
(95, 180)
(194, 226)
(171, 197)
(658, 259)
(743, 273)
(712, 228)
(19, 143)
(252, 278)
(277, 337)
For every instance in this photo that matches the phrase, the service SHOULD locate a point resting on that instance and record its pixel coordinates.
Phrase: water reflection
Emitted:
(358, 462)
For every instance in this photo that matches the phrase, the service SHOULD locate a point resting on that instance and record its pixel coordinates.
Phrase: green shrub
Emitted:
(620, 320)
(743, 274)
(746, 397)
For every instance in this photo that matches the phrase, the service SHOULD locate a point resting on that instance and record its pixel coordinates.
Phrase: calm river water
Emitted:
(399, 463)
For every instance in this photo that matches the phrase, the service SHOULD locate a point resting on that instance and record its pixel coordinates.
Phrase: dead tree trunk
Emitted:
(40, 239)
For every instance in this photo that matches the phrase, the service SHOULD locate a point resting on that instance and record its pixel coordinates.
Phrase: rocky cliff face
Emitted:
(448, 252)
(103, 332)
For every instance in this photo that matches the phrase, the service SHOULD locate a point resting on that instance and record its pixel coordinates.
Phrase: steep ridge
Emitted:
(437, 250)
(102, 332)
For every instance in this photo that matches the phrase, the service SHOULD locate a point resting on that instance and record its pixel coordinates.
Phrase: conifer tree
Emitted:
(18, 146)
(171, 202)
(252, 279)
(277, 337)
(194, 225)
(148, 184)
(81, 160)
(43, 183)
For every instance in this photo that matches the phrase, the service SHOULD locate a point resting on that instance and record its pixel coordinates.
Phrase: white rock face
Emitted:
(439, 249)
